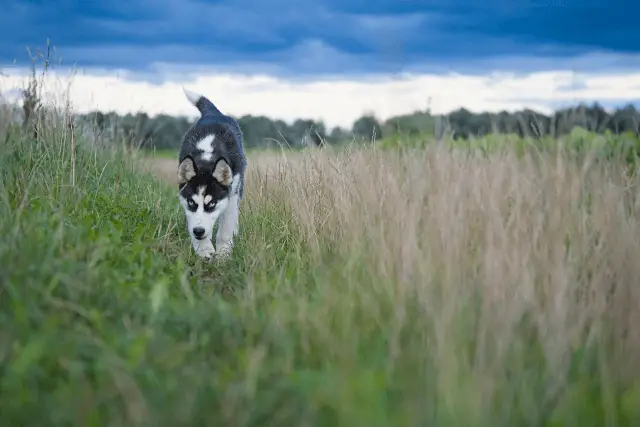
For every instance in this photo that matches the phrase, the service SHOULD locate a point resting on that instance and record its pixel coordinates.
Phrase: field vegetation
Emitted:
(477, 282)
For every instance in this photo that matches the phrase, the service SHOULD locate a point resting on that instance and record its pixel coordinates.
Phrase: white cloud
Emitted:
(336, 101)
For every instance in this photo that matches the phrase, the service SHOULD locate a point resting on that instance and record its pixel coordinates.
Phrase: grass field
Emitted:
(367, 288)
(162, 154)
(172, 155)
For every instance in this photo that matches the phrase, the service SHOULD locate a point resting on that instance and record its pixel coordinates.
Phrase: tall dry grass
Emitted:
(496, 279)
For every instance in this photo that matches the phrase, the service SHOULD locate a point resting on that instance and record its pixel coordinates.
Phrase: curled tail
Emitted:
(202, 103)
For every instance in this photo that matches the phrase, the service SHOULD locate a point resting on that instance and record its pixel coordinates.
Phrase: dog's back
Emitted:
(214, 136)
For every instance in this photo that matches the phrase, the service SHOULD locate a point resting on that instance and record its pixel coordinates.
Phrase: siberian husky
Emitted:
(211, 169)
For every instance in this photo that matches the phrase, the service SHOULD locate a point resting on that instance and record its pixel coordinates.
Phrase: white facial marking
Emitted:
(201, 218)
(206, 145)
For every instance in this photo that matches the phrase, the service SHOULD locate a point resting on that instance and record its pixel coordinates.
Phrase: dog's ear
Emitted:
(222, 173)
(186, 170)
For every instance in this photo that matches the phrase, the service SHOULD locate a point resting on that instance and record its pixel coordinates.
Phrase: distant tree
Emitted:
(367, 127)
(626, 119)
(338, 135)
(419, 122)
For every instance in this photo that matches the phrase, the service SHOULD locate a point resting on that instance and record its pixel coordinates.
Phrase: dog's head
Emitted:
(204, 194)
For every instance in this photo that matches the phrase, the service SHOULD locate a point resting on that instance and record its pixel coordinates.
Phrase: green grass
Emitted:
(98, 301)
(167, 153)
(579, 141)
(107, 318)
(172, 154)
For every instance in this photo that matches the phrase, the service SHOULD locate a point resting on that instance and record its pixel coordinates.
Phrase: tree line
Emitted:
(165, 132)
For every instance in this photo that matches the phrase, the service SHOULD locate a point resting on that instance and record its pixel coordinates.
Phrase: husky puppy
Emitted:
(211, 169)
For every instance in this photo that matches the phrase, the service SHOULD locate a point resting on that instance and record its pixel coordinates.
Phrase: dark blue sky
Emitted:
(311, 37)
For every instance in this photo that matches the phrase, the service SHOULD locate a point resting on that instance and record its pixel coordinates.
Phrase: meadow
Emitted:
(438, 284)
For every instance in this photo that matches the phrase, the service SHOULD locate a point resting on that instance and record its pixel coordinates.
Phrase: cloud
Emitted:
(344, 37)
(333, 59)
(339, 101)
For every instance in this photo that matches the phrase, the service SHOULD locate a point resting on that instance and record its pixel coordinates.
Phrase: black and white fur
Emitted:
(211, 178)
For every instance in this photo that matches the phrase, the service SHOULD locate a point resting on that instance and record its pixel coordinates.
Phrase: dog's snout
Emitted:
(198, 232)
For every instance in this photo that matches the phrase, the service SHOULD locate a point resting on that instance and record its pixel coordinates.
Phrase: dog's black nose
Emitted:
(198, 232)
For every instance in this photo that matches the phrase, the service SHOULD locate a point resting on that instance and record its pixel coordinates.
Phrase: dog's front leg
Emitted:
(228, 227)
(203, 248)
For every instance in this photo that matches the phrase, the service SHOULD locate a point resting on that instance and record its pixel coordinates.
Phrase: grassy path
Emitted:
(366, 289)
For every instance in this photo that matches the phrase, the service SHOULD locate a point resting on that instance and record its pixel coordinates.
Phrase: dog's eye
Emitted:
(211, 205)
(191, 203)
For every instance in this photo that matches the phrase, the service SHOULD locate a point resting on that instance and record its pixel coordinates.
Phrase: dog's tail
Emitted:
(202, 103)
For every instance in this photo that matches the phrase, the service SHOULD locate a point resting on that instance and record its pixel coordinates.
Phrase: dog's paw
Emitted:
(206, 253)
(224, 252)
